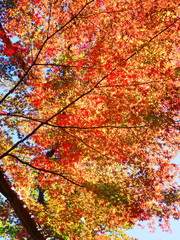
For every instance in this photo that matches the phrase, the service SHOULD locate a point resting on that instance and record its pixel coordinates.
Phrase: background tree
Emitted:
(89, 115)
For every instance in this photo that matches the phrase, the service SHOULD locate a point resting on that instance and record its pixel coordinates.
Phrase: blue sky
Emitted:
(145, 234)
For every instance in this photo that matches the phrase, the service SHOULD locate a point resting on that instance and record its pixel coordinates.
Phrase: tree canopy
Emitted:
(89, 117)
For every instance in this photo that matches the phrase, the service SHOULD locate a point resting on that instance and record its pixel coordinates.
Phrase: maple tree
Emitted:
(89, 117)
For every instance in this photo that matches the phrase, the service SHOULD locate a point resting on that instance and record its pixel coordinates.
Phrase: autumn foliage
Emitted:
(89, 116)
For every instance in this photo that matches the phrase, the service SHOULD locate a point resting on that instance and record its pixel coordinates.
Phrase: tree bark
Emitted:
(21, 209)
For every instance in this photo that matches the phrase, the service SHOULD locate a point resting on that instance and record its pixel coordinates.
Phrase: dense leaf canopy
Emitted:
(89, 116)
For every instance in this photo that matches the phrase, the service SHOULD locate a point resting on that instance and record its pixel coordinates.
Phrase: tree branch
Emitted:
(42, 46)
(131, 85)
(151, 39)
(44, 170)
(63, 129)
(20, 208)
(73, 127)
(84, 94)
(62, 65)
(94, 149)
(56, 114)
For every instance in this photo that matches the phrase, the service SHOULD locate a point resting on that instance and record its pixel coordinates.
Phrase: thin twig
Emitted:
(151, 39)
(131, 85)
(63, 65)
(49, 119)
(82, 95)
(42, 46)
(94, 149)
(44, 170)
(72, 127)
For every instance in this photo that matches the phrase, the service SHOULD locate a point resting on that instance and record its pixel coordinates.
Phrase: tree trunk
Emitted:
(21, 210)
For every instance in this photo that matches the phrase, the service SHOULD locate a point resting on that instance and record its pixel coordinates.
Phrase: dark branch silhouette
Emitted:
(40, 50)
(131, 85)
(84, 94)
(44, 170)
(41, 199)
(74, 127)
(50, 153)
(21, 209)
